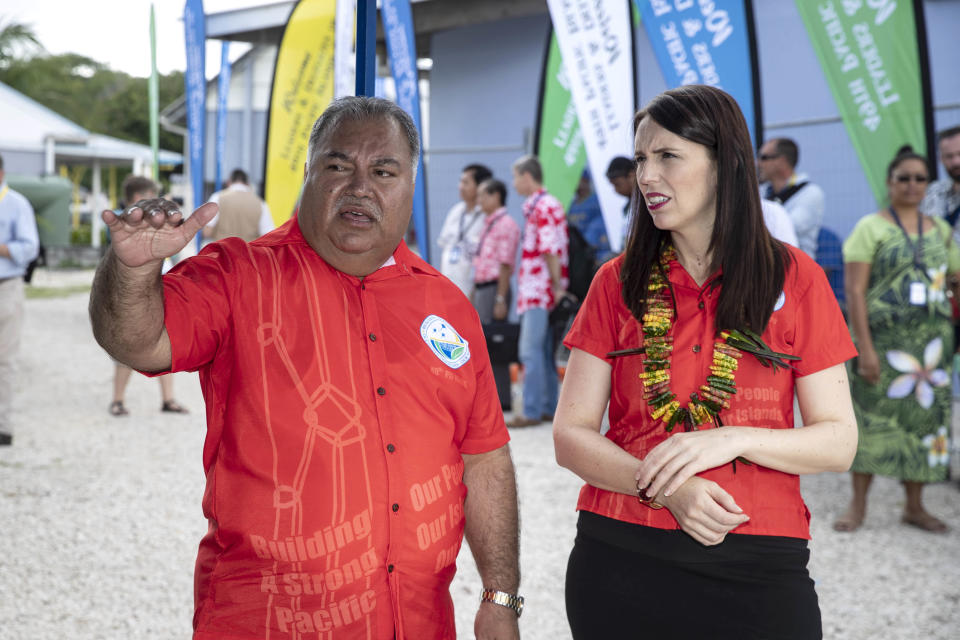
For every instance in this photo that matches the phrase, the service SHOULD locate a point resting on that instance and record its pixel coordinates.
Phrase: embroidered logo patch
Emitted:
(445, 342)
(782, 300)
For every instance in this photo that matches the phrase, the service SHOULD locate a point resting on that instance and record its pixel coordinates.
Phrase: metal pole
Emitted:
(366, 47)
(96, 198)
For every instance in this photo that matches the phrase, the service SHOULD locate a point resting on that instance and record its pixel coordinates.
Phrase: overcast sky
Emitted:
(117, 32)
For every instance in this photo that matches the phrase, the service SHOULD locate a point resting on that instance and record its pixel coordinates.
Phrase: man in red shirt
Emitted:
(350, 403)
(541, 283)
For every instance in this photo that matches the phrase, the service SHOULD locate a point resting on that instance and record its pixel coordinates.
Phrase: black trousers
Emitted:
(674, 588)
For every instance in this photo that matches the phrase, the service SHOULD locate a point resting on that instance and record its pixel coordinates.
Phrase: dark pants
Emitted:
(751, 589)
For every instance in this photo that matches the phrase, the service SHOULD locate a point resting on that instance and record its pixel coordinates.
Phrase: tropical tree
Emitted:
(93, 95)
(16, 38)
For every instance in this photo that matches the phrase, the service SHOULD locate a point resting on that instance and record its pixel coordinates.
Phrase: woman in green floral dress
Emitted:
(897, 264)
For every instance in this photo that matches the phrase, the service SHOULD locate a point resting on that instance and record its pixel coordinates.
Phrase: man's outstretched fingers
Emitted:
(200, 218)
(109, 217)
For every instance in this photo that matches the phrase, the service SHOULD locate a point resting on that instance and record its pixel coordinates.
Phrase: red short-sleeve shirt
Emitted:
(544, 231)
(337, 413)
(806, 322)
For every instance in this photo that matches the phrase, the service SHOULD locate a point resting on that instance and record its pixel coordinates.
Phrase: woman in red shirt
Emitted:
(698, 337)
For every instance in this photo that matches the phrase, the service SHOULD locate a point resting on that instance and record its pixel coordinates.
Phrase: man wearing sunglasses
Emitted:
(802, 198)
(943, 196)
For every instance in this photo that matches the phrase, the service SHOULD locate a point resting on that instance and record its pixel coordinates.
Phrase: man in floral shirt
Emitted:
(492, 267)
(541, 283)
(943, 196)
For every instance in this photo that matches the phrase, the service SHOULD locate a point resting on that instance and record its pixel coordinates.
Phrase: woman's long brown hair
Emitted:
(754, 263)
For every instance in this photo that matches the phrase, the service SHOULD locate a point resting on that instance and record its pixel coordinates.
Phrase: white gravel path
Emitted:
(100, 517)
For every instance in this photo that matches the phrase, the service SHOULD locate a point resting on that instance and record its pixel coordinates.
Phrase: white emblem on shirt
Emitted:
(445, 342)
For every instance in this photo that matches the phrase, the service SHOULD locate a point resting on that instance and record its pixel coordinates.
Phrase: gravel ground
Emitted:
(100, 517)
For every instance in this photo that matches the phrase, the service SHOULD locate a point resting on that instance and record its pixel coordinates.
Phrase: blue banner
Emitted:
(710, 43)
(196, 93)
(401, 48)
(223, 93)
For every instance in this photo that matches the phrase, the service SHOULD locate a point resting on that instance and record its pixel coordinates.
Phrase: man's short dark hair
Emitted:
(479, 172)
(132, 185)
(239, 175)
(943, 135)
(360, 108)
(531, 165)
(788, 149)
(619, 167)
(1, 163)
(491, 185)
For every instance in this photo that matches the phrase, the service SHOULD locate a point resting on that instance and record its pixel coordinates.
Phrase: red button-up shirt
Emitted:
(497, 245)
(545, 231)
(806, 322)
(337, 413)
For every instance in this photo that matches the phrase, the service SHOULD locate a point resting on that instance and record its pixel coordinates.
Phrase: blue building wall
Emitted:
(484, 90)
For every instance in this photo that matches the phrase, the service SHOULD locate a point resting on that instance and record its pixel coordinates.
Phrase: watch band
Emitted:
(503, 599)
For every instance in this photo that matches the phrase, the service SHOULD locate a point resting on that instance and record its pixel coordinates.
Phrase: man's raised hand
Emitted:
(152, 230)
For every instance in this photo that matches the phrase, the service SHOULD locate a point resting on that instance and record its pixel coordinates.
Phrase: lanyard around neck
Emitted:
(488, 229)
(3, 192)
(474, 216)
(917, 246)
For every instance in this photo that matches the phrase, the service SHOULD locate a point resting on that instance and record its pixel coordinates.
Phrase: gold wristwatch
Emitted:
(503, 599)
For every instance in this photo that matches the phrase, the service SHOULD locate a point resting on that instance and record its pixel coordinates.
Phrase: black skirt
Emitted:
(629, 581)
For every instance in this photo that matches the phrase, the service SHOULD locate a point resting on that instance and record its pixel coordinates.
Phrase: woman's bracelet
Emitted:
(643, 498)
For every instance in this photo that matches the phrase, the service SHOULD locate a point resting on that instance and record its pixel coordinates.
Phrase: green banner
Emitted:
(559, 140)
(154, 99)
(871, 58)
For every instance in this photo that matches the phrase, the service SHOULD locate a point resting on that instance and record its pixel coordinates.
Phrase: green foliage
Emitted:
(81, 235)
(15, 38)
(33, 292)
(93, 95)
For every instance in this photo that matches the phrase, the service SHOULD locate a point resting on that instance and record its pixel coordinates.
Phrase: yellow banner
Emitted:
(302, 89)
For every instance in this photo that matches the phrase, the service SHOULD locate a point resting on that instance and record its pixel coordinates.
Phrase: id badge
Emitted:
(455, 252)
(918, 293)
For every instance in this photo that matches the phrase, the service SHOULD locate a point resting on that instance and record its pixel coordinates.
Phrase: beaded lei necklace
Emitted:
(705, 405)
(714, 396)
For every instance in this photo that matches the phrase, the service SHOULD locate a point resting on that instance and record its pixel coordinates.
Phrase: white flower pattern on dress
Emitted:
(939, 454)
(937, 291)
(916, 377)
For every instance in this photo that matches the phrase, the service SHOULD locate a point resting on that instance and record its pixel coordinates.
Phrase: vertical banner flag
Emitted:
(196, 94)
(154, 97)
(596, 42)
(559, 141)
(345, 62)
(223, 95)
(709, 43)
(873, 55)
(302, 89)
(401, 46)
